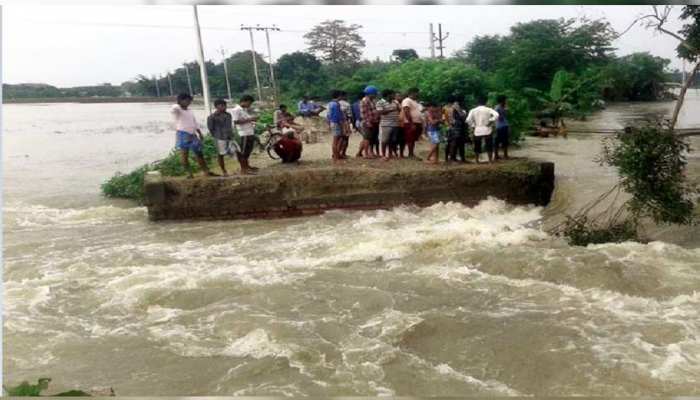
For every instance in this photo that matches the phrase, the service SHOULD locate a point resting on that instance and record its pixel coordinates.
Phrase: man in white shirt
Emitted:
(481, 118)
(245, 125)
(412, 120)
(188, 136)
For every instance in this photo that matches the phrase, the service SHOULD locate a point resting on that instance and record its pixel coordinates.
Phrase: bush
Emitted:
(580, 231)
(651, 162)
(130, 186)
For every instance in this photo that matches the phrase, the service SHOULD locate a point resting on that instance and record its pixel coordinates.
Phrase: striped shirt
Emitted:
(390, 119)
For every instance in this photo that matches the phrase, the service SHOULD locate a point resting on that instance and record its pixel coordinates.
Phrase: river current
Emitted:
(445, 300)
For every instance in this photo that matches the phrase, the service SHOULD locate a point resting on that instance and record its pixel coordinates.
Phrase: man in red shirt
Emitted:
(288, 148)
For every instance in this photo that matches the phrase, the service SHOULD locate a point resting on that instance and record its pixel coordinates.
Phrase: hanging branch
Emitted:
(657, 20)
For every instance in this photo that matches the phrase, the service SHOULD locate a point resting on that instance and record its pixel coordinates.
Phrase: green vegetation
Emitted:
(130, 185)
(651, 162)
(29, 390)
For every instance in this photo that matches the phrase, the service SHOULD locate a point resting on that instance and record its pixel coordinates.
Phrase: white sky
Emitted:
(86, 45)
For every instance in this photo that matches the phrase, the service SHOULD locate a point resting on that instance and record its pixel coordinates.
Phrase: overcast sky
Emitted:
(86, 45)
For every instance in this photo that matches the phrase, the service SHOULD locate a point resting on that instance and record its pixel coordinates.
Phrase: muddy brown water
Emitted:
(446, 300)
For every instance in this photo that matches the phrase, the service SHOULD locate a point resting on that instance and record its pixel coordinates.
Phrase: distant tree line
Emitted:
(522, 64)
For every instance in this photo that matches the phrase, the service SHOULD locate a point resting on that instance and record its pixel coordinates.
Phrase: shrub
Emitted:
(130, 185)
(651, 162)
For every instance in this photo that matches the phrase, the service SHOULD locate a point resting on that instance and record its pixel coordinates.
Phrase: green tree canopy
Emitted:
(485, 52)
(336, 42)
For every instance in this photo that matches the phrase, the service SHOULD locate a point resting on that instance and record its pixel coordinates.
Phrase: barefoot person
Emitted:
(246, 130)
(388, 109)
(481, 118)
(433, 123)
(336, 122)
(220, 125)
(370, 122)
(188, 135)
(346, 107)
(502, 128)
(455, 117)
(413, 120)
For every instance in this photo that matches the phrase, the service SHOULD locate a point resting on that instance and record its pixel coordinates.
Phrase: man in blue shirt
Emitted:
(336, 122)
(502, 127)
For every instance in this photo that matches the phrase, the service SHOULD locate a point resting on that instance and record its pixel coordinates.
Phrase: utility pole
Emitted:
(170, 84)
(202, 65)
(441, 38)
(432, 42)
(228, 84)
(189, 81)
(269, 54)
(255, 63)
(155, 80)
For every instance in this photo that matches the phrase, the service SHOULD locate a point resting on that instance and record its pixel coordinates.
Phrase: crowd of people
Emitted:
(389, 126)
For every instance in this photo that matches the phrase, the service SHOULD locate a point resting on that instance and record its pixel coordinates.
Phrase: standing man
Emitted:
(389, 110)
(370, 122)
(413, 120)
(246, 130)
(502, 127)
(347, 111)
(188, 135)
(457, 134)
(336, 122)
(481, 118)
(220, 125)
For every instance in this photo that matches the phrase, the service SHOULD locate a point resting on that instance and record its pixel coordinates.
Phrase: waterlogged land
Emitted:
(446, 300)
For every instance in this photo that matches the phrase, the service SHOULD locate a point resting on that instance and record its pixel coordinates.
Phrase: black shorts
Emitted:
(488, 142)
(371, 134)
(503, 136)
(247, 143)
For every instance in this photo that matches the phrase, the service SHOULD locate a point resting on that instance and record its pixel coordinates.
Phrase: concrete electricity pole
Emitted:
(202, 65)
(255, 63)
(432, 42)
(189, 81)
(269, 55)
(170, 84)
(155, 80)
(228, 84)
(441, 38)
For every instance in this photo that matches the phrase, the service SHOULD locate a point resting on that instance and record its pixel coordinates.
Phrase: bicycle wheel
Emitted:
(271, 146)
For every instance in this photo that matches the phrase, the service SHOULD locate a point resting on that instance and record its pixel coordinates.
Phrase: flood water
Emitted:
(446, 300)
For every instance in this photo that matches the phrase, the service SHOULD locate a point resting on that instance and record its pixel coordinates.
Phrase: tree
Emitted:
(403, 55)
(485, 52)
(541, 48)
(336, 42)
(300, 74)
(635, 77)
(299, 67)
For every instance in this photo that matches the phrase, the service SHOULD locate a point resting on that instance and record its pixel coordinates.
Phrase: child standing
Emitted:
(246, 130)
(188, 135)
(433, 123)
(220, 127)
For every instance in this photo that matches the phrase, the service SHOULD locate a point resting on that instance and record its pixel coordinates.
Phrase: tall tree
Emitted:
(336, 42)
(485, 52)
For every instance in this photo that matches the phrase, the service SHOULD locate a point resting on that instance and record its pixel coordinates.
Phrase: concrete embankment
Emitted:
(308, 189)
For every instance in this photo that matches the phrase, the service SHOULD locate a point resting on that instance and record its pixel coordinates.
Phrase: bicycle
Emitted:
(267, 140)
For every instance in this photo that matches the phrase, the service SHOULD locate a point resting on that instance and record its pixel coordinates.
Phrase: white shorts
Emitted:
(226, 147)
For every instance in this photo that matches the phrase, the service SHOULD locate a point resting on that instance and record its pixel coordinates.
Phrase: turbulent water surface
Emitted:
(446, 300)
